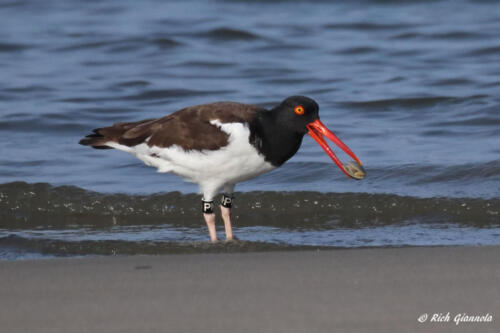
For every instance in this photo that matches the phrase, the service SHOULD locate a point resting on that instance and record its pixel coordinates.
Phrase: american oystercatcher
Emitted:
(220, 144)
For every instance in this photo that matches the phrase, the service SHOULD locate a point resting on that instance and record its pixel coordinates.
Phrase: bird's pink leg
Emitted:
(225, 209)
(226, 217)
(210, 220)
(209, 215)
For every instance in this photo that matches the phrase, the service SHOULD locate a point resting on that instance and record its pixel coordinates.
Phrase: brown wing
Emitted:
(115, 133)
(188, 128)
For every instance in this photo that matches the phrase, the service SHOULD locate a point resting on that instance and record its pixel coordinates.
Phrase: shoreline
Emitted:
(339, 290)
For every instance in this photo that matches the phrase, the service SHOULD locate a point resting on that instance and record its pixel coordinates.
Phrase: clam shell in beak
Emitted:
(355, 170)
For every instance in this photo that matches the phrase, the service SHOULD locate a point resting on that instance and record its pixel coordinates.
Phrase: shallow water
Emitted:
(39, 219)
(413, 89)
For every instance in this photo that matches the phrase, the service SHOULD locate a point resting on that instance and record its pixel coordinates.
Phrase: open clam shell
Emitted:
(355, 170)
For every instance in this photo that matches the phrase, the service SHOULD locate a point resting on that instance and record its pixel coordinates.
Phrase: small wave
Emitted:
(287, 81)
(368, 26)
(230, 34)
(121, 45)
(8, 4)
(92, 45)
(208, 64)
(490, 84)
(24, 205)
(170, 93)
(28, 163)
(468, 173)
(164, 42)
(457, 35)
(134, 83)
(491, 50)
(452, 82)
(358, 50)
(480, 121)
(449, 35)
(279, 46)
(42, 124)
(406, 35)
(147, 95)
(103, 116)
(418, 102)
(463, 173)
(29, 89)
(46, 247)
(13, 47)
(79, 100)
(267, 72)
(441, 133)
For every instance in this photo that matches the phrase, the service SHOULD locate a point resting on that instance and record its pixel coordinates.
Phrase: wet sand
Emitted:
(354, 290)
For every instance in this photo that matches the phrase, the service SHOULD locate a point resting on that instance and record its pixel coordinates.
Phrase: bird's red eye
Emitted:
(299, 109)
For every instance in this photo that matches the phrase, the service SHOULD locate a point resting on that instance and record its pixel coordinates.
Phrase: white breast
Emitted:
(211, 169)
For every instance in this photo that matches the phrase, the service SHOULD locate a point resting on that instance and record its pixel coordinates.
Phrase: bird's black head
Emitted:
(298, 115)
(295, 112)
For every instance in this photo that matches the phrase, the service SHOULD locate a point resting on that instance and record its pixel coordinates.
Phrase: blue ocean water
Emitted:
(412, 88)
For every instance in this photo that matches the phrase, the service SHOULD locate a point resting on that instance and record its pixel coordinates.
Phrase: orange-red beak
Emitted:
(317, 130)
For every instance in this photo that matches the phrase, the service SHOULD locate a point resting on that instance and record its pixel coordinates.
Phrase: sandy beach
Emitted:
(352, 290)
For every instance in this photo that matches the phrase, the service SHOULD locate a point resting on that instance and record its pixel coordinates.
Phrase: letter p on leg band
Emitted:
(226, 201)
(207, 206)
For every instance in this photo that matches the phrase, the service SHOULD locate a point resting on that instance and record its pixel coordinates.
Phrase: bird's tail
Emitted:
(100, 138)
(96, 140)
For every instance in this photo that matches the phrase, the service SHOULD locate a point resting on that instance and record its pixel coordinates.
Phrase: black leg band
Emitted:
(226, 201)
(207, 206)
